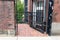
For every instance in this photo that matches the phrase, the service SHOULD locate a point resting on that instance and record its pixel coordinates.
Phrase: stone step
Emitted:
(9, 32)
(55, 29)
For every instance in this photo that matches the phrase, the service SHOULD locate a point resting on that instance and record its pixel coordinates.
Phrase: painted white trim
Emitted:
(44, 10)
(34, 14)
(39, 8)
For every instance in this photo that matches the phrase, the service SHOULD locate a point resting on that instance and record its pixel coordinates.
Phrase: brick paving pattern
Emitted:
(25, 30)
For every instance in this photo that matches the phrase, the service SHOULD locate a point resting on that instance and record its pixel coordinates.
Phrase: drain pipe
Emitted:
(44, 19)
(44, 16)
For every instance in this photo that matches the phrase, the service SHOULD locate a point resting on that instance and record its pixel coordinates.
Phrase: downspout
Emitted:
(44, 19)
(44, 15)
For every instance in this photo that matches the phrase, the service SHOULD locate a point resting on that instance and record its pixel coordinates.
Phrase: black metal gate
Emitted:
(41, 19)
(39, 15)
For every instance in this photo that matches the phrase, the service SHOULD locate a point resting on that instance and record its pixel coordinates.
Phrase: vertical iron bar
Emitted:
(16, 18)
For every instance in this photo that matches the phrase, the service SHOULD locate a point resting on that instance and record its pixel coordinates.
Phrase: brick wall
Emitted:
(56, 11)
(6, 15)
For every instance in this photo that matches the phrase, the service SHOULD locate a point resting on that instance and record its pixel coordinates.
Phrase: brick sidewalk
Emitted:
(24, 30)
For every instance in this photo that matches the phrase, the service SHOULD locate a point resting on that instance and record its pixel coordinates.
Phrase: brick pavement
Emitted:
(24, 30)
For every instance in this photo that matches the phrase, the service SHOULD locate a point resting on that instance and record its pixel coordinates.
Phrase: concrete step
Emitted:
(7, 32)
(55, 29)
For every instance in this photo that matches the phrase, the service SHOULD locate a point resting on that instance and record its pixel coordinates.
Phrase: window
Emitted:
(39, 12)
(40, 5)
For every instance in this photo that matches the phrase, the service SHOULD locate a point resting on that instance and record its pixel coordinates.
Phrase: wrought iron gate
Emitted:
(40, 17)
